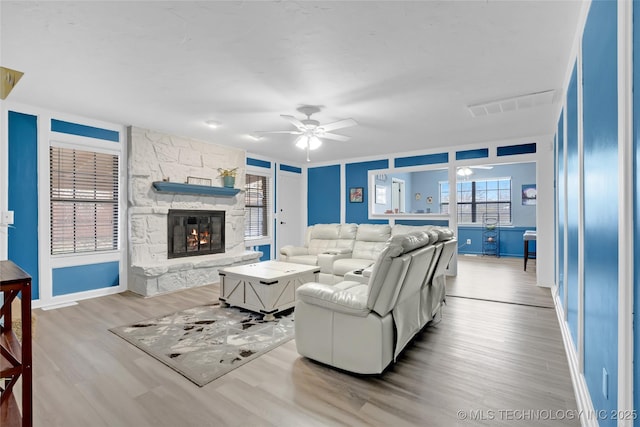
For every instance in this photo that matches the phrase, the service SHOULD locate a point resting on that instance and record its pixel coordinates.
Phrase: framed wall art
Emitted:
(356, 194)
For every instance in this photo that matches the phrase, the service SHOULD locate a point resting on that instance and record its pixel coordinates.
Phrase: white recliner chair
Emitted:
(362, 327)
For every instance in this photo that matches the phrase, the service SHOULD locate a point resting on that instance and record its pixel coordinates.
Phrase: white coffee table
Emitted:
(266, 287)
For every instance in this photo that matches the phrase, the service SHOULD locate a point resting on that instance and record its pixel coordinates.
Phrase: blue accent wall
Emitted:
(418, 222)
(511, 150)
(288, 168)
(636, 207)
(511, 242)
(573, 196)
(427, 159)
(561, 197)
(357, 175)
(83, 130)
(266, 252)
(472, 154)
(69, 280)
(23, 195)
(323, 195)
(600, 130)
(259, 163)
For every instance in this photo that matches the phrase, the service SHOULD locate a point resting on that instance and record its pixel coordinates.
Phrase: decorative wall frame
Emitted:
(529, 194)
(356, 194)
(198, 181)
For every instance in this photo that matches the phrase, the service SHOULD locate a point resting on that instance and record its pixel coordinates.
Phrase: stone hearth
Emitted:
(155, 156)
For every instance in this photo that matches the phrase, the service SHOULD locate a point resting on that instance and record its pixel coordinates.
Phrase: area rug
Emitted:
(205, 342)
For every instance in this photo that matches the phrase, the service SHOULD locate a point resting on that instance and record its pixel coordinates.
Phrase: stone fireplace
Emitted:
(193, 233)
(219, 239)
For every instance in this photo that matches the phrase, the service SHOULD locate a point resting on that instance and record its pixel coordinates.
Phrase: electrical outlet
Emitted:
(605, 383)
(468, 241)
(6, 218)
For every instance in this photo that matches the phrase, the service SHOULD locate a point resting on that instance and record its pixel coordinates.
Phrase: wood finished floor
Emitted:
(483, 356)
(498, 279)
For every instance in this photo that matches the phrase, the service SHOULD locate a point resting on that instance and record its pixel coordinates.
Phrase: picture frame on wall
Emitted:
(529, 194)
(198, 181)
(356, 194)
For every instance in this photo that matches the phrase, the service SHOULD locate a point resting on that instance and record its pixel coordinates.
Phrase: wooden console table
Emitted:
(15, 356)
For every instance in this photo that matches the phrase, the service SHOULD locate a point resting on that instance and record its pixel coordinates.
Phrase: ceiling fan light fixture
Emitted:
(314, 143)
(464, 171)
(301, 142)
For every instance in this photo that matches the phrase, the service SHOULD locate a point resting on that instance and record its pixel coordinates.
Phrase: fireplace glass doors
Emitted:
(192, 233)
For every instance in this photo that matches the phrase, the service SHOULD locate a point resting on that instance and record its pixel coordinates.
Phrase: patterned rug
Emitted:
(206, 342)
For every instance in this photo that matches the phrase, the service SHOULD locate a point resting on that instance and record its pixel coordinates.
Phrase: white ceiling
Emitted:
(406, 71)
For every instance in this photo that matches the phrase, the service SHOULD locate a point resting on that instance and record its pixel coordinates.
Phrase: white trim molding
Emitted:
(626, 184)
(580, 211)
(588, 415)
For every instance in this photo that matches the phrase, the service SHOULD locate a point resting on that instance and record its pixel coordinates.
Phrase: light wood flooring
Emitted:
(483, 356)
(498, 279)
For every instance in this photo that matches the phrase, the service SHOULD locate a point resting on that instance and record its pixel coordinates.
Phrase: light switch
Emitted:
(7, 218)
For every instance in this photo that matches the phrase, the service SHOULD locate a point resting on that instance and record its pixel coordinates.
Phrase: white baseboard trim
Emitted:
(58, 301)
(588, 416)
(56, 306)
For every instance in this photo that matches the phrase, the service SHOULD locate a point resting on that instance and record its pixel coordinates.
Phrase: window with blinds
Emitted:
(84, 201)
(479, 197)
(256, 206)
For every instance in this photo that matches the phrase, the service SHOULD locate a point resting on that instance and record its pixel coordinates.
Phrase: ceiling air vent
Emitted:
(519, 102)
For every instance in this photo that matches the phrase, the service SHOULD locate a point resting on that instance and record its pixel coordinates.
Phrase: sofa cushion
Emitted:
(373, 232)
(304, 259)
(443, 233)
(406, 229)
(412, 240)
(325, 231)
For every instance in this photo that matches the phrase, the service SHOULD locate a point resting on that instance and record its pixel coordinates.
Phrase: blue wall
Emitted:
(23, 195)
(83, 130)
(357, 175)
(323, 195)
(600, 112)
(561, 197)
(573, 196)
(427, 183)
(68, 280)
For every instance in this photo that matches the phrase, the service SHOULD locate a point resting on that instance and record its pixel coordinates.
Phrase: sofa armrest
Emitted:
(293, 250)
(352, 300)
(326, 260)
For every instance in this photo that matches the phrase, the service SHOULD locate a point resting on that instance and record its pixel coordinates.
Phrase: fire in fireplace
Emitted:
(192, 233)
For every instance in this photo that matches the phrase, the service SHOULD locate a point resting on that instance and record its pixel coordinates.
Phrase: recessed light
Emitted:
(255, 136)
(213, 124)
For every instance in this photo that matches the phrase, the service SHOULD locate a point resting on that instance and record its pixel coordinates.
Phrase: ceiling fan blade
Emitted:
(339, 125)
(334, 136)
(297, 123)
(290, 132)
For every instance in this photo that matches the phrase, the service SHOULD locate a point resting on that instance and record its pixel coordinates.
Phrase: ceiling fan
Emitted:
(311, 131)
(466, 171)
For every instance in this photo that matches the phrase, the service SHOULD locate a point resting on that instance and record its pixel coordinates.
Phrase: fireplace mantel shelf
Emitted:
(178, 188)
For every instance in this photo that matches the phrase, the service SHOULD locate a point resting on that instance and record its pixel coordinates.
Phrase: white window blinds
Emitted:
(257, 206)
(84, 201)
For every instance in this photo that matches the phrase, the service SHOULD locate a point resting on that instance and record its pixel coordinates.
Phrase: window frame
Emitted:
(261, 240)
(473, 191)
(67, 259)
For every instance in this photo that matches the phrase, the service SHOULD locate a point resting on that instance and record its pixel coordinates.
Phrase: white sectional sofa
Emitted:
(341, 248)
(362, 325)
